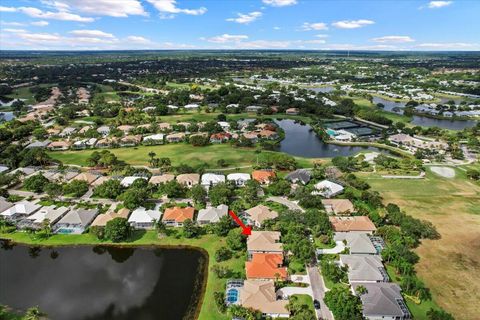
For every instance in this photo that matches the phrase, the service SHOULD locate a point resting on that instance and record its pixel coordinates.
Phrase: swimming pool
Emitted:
(65, 231)
(232, 296)
(331, 132)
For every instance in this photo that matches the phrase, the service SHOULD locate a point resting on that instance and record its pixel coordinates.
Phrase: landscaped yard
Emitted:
(180, 153)
(210, 243)
(449, 266)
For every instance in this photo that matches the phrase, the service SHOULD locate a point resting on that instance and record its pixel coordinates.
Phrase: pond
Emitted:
(103, 283)
(390, 106)
(6, 116)
(443, 123)
(301, 141)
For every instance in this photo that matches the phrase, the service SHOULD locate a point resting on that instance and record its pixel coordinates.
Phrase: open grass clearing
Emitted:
(449, 266)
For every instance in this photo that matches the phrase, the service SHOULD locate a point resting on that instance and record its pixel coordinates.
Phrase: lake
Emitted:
(443, 123)
(6, 115)
(303, 142)
(103, 283)
(390, 105)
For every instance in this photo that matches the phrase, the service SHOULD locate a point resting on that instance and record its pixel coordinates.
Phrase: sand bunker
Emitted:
(445, 172)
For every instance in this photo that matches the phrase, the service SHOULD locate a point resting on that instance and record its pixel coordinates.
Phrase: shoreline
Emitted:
(371, 144)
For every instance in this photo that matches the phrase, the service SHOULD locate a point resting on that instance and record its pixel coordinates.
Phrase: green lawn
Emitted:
(364, 103)
(179, 153)
(305, 299)
(204, 116)
(210, 243)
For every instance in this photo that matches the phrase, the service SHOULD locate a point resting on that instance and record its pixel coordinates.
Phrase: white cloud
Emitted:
(280, 3)
(277, 28)
(314, 26)
(322, 36)
(59, 15)
(112, 8)
(12, 24)
(40, 23)
(438, 4)
(448, 45)
(91, 33)
(393, 39)
(12, 30)
(170, 6)
(352, 24)
(315, 41)
(348, 46)
(7, 9)
(226, 38)
(246, 18)
(262, 44)
(138, 40)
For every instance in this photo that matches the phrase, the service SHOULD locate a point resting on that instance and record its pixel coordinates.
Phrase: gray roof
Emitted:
(383, 300)
(364, 268)
(79, 216)
(39, 144)
(359, 243)
(212, 214)
(4, 204)
(302, 175)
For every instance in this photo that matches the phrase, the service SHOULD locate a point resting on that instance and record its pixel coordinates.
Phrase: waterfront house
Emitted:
(142, 218)
(211, 179)
(266, 266)
(5, 204)
(239, 179)
(252, 136)
(302, 176)
(102, 219)
(328, 189)
(75, 221)
(364, 268)
(211, 214)
(188, 179)
(263, 176)
(176, 216)
(19, 210)
(268, 134)
(260, 295)
(257, 215)
(50, 213)
(382, 300)
(292, 111)
(338, 206)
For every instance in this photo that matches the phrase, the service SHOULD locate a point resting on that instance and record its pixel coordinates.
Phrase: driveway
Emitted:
(289, 204)
(318, 289)
(340, 246)
(286, 292)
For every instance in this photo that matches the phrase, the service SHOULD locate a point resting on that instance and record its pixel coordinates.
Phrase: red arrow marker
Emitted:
(246, 230)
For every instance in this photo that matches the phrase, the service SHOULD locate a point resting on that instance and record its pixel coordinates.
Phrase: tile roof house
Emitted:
(302, 176)
(364, 268)
(59, 145)
(355, 223)
(266, 266)
(220, 137)
(212, 214)
(358, 243)
(239, 179)
(38, 144)
(102, 219)
(100, 181)
(106, 143)
(75, 221)
(130, 141)
(104, 130)
(264, 242)
(328, 189)
(292, 111)
(52, 213)
(164, 126)
(263, 176)
(252, 136)
(142, 218)
(188, 179)
(211, 179)
(338, 206)
(176, 216)
(257, 215)
(87, 176)
(382, 300)
(176, 137)
(268, 134)
(125, 128)
(260, 295)
(19, 210)
(163, 178)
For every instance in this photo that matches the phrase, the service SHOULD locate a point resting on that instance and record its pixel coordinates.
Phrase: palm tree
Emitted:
(151, 154)
(34, 313)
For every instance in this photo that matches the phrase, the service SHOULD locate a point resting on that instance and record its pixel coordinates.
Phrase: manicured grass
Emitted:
(180, 153)
(305, 299)
(210, 243)
(448, 266)
(200, 116)
(364, 103)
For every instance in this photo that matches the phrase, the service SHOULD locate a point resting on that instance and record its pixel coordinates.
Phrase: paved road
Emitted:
(289, 204)
(318, 289)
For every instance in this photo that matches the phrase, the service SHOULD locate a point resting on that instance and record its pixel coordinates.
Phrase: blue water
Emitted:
(232, 295)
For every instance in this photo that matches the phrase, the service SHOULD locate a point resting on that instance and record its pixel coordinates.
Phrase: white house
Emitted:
(76, 221)
(51, 213)
(127, 181)
(212, 214)
(154, 139)
(142, 218)
(327, 189)
(20, 210)
(240, 179)
(191, 106)
(104, 130)
(211, 179)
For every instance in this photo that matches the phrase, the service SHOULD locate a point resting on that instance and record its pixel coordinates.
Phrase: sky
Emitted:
(239, 24)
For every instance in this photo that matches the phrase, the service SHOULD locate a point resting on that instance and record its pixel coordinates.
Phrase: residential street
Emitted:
(318, 289)
(290, 204)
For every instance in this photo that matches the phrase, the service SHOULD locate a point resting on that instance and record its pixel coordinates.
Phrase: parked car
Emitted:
(316, 304)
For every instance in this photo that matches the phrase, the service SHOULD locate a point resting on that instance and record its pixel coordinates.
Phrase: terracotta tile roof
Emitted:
(178, 214)
(263, 175)
(356, 223)
(337, 206)
(266, 266)
(102, 219)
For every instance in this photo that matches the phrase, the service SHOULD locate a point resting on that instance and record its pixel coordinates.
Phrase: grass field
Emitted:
(449, 266)
(179, 153)
(364, 103)
(210, 243)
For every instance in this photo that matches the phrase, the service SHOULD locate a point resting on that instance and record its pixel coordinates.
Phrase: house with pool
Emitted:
(75, 221)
